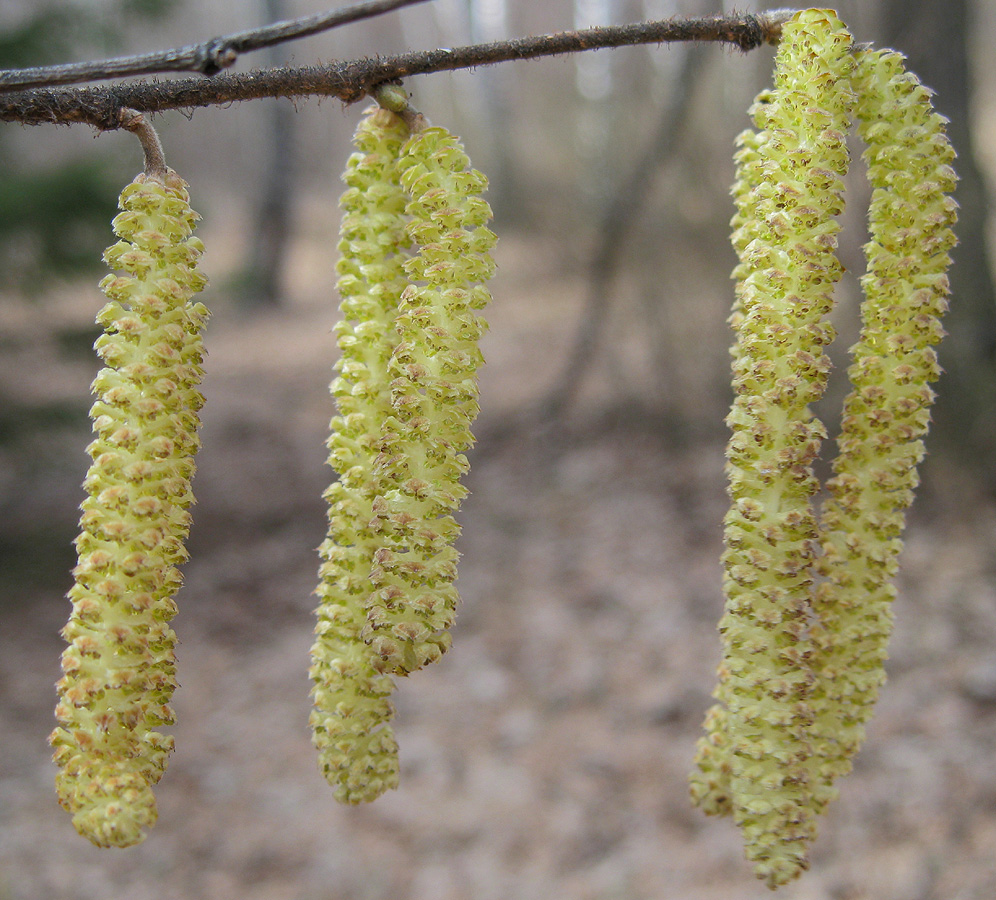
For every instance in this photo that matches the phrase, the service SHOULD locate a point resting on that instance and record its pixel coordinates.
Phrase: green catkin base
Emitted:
(358, 753)
(434, 400)
(787, 272)
(119, 668)
(887, 412)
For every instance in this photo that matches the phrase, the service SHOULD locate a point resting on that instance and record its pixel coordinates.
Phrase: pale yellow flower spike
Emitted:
(357, 750)
(120, 665)
(710, 778)
(887, 412)
(787, 274)
(434, 400)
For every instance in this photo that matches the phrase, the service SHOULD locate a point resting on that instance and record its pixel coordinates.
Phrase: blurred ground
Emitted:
(546, 756)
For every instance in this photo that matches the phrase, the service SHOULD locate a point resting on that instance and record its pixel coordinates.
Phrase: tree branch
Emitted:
(350, 81)
(208, 58)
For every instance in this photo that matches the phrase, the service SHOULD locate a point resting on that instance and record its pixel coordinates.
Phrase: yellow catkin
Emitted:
(886, 414)
(787, 272)
(709, 781)
(119, 667)
(357, 750)
(434, 400)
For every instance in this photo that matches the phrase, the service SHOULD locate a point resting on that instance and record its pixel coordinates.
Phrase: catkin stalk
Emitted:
(119, 667)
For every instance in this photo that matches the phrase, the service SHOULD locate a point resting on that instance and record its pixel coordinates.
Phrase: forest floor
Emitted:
(546, 756)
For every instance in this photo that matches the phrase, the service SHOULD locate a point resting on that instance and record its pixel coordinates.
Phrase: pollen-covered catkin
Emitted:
(787, 274)
(434, 400)
(119, 667)
(357, 750)
(886, 414)
(709, 781)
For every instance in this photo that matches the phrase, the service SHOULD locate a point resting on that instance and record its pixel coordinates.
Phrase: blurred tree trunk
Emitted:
(489, 21)
(935, 35)
(271, 232)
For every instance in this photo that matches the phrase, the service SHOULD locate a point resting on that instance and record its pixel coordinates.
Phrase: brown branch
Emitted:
(350, 81)
(208, 58)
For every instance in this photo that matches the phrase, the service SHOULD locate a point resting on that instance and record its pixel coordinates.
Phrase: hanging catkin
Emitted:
(120, 665)
(710, 777)
(433, 372)
(808, 609)
(786, 276)
(886, 414)
(357, 750)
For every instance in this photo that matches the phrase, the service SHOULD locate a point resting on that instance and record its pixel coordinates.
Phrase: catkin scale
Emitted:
(119, 668)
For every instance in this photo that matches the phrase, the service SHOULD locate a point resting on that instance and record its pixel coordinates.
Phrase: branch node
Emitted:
(392, 96)
(215, 55)
(155, 160)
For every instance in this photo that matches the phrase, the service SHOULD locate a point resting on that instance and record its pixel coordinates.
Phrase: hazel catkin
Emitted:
(886, 414)
(808, 602)
(350, 720)
(415, 259)
(119, 667)
(434, 400)
(789, 190)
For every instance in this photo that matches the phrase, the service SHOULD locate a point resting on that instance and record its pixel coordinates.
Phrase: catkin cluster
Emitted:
(807, 596)
(808, 592)
(119, 667)
(415, 259)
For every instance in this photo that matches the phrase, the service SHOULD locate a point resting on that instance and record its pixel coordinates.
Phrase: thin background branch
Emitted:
(208, 57)
(350, 81)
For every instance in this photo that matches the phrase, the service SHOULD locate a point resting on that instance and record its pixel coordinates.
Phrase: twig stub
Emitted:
(155, 160)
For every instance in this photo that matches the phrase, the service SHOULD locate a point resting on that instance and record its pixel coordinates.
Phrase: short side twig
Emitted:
(155, 160)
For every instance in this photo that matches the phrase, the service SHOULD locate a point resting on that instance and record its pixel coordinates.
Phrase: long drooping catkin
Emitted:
(787, 274)
(433, 372)
(710, 777)
(120, 665)
(357, 750)
(808, 604)
(886, 414)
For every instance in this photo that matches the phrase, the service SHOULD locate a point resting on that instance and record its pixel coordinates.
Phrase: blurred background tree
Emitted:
(54, 216)
(53, 219)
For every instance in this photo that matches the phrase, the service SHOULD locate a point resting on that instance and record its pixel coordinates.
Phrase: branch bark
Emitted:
(208, 58)
(350, 81)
